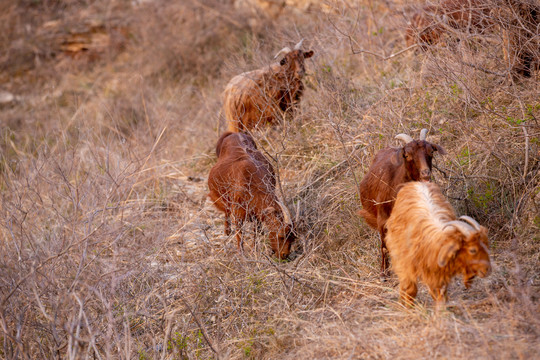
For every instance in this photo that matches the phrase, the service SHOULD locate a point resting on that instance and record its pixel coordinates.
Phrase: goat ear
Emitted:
(439, 148)
(308, 54)
(447, 252)
(483, 235)
(283, 61)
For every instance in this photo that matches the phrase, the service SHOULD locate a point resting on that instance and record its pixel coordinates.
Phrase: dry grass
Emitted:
(111, 250)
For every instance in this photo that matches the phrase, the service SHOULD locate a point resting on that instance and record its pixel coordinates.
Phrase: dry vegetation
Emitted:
(110, 111)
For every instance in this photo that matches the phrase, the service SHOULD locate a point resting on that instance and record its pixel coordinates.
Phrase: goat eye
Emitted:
(473, 251)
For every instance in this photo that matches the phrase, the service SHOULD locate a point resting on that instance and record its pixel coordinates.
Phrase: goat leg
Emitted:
(240, 243)
(407, 291)
(227, 225)
(384, 254)
(384, 261)
(439, 295)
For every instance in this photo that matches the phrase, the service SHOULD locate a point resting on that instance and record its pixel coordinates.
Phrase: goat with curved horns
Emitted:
(392, 167)
(427, 242)
(261, 96)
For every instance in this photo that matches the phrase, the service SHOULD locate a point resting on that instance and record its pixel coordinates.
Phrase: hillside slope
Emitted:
(109, 113)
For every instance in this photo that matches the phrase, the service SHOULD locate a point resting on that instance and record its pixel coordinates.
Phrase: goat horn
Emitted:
(471, 221)
(297, 46)
(404, 137)
(464, 228)
(423, 134)
(285, 50)
(286, 213)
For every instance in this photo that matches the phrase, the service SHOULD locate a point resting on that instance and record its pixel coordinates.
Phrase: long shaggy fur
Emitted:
(419, 236)
(261, 96)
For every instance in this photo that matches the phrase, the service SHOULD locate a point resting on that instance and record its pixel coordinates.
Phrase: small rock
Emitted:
(194, 178)
(6, 97)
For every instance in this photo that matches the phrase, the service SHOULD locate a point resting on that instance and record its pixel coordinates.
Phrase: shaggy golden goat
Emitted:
(242, 185)
(427, 242)
(259, 96)
(392, 167)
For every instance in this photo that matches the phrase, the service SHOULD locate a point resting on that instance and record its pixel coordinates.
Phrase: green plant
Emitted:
(484, 196)
(464, 157)
(178, 342)
(142, 355)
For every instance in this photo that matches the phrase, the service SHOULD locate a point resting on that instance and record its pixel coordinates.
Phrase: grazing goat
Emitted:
(517, 20)
(258, 97)
(242, 185)
(426, 242)
(392, 167)
(427, 26)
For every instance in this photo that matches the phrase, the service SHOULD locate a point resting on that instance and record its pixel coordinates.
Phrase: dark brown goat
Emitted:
(392, 167)
(518, 21)
(427, 26)
(259, 96)
(242, 185)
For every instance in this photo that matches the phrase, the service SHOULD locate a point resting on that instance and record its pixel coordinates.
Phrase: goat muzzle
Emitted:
(425, 175)
(485, 272)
